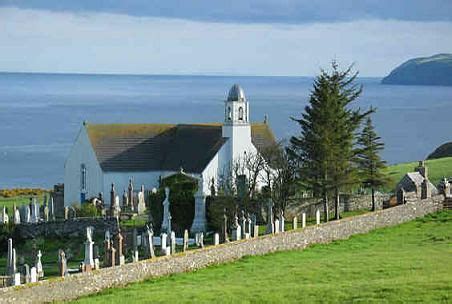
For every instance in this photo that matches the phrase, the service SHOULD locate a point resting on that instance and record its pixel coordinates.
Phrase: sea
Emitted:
(41, 114)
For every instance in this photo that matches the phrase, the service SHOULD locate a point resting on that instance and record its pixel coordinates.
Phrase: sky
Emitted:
(234, 37)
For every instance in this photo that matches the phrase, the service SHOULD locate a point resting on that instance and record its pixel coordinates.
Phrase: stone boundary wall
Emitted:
(348, 202)
(87, 283)
(65, 228)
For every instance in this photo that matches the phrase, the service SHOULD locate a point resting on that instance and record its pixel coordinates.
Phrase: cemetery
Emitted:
(144, 201)
(119, 257)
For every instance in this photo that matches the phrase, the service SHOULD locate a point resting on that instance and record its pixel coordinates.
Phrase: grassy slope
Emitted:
(9, 202)
(437, 168)
(410, 262)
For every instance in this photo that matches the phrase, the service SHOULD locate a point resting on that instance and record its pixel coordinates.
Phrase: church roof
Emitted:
(163, 147)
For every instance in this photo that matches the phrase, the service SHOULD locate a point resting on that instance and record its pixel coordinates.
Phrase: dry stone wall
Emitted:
(65, 228)
(87, 283)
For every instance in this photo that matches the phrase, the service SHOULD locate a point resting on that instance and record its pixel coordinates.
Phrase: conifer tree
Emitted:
(370, 164)
(325, 145)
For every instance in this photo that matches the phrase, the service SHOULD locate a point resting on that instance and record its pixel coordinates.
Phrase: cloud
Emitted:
(256, 11)
(37, 40)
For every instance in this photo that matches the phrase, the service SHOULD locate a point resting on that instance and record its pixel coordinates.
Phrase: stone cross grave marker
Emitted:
(39, 268)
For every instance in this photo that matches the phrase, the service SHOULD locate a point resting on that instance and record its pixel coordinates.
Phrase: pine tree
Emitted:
(370, 164)
(325, 145)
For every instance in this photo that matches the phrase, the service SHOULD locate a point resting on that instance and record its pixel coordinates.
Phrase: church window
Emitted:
(83, 178)
(240, 113)
(229, 113)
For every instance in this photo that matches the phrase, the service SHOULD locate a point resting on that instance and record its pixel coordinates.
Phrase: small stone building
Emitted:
(415, 185)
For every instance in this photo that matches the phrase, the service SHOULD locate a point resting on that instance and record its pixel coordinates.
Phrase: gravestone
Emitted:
(256, 231)
(199, 239)
(120, 260)
(16, 279)
(270, 225)
(141, 206)
(135, 257)
(163, 243)
(62, 264)
(173, 242)
(282, 221)
(51, 209)
(38, 265)
(4, 217)
(149, 242)
(26, 273)
(16, 216)
(96, 257)
(185, 248)
(130, 195)
(33, 275)
(224, 228)
(113, 200)
(243, 224)
(112, 254)
(166, 206)
(303, 220)
(107, 247)
(89, 255)
(34, 211)
(11, 268)
(236, 229)
(248, 224)
(216, 239)
(277, 226)
(46, 212)
(317, 216)
(294, 223)
(125, 199)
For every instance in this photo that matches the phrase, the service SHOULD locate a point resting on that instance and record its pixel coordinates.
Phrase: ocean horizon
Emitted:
(41, 113)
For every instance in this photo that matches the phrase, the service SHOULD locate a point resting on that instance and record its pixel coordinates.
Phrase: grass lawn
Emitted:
(407, 263)
(437, 169)
(9, 202)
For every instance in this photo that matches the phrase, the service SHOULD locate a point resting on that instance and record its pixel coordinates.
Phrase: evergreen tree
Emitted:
(370, 164)
(325, 145)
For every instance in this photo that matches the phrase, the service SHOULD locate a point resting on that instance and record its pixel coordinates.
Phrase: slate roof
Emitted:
(163, 147)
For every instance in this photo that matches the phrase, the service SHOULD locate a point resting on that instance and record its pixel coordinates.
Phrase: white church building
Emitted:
(113, 153)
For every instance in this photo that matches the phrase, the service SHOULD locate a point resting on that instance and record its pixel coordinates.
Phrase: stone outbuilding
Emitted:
(415, 185)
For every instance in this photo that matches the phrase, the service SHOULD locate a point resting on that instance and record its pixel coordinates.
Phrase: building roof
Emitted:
(236, 93)
(163, 147)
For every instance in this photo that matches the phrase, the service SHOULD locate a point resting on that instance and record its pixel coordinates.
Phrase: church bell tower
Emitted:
(236, 124)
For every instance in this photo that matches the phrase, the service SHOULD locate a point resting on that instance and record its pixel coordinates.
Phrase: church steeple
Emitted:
(236, 109)
(236, 125)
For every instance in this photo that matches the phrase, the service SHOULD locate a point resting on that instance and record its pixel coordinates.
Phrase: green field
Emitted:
(437, 170)
(407, 263)
(9, 202)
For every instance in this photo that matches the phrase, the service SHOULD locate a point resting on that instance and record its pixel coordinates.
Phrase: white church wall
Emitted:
(81, 153)
(215, 167)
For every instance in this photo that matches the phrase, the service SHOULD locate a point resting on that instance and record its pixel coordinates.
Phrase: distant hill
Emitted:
(434, 70)
(445, 150)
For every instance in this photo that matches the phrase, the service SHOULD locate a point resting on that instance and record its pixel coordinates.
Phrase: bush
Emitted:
(22, 192)
(182, 202)
(85, 210)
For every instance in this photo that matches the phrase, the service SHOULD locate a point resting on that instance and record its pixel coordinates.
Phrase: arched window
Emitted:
(229, 113)
(83, 178)
(240, 113)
